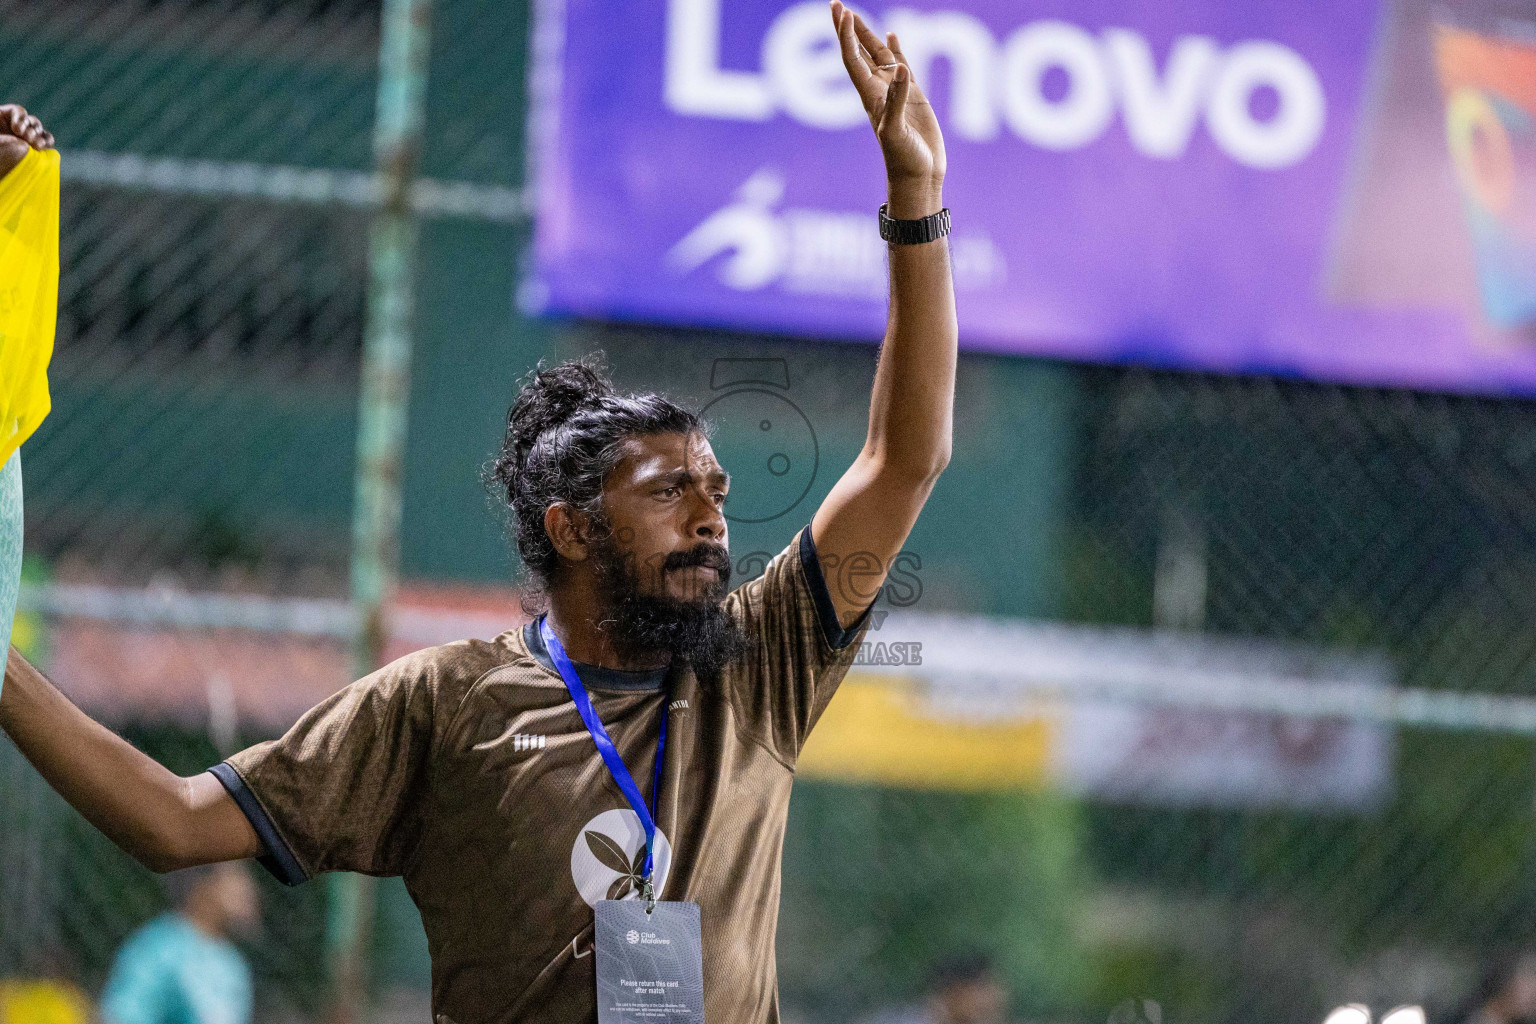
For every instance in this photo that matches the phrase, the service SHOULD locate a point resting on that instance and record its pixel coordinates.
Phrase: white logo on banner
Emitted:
(608, 858)
(812, 252)
(995, 82)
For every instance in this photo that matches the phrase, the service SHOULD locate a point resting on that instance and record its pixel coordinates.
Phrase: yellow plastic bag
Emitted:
(43, 1002)
(29, 293)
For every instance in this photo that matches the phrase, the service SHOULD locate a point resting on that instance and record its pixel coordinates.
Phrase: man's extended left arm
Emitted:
(864, 521)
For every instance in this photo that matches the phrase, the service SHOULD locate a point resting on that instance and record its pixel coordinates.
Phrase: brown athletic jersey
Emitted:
(467, 770)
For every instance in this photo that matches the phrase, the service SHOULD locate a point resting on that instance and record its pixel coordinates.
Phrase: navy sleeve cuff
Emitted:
(279, 860)
(826, 614)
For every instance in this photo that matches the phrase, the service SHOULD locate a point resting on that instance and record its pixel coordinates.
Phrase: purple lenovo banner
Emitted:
(1275, 185)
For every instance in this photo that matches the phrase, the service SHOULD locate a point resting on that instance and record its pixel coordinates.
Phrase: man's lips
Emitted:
(702, 572)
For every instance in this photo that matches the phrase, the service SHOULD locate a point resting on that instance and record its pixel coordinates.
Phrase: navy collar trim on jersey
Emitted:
(596, 677)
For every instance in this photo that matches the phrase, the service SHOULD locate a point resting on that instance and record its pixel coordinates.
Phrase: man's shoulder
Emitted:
(451, 667)
(454, 673)
(767, 570)
(431, 683)
(792, 592)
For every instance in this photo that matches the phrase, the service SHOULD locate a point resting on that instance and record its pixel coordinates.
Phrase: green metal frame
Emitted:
(404, 51)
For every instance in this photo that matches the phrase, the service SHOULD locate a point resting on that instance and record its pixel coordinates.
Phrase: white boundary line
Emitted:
(283, 184)
(181, 610)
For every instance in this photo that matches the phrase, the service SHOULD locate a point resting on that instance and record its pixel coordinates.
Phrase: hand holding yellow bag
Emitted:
(29, 292)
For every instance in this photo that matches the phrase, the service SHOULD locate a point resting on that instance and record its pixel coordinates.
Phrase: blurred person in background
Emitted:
(1505, 995)
(182, 968)
(961, 989)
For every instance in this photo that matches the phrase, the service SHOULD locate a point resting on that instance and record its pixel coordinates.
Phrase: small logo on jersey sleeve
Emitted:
(527, 741)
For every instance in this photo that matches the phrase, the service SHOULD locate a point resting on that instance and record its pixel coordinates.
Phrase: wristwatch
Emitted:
(913, 232)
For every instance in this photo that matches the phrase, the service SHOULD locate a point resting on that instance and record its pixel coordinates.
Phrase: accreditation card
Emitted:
(650, 967)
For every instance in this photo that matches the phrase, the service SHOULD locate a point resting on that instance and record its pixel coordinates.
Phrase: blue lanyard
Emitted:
(610, 753)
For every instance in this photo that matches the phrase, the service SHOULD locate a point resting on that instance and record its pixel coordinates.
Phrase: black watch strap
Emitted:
(913, 232)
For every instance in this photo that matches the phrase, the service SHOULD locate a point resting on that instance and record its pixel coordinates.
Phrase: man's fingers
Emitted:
(893, 119)
(871, 42)
(853, 56)
(15, 121)
(895, 46)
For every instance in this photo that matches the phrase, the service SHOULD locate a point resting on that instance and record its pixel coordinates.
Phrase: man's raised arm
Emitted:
(161, 819)
(870, 511)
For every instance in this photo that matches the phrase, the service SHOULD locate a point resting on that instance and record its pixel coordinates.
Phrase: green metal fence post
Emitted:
(384, 394)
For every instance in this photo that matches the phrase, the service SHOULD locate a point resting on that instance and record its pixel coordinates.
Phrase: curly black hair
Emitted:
(565, 433)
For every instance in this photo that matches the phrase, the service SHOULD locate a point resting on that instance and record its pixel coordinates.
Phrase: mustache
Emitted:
(706, 555)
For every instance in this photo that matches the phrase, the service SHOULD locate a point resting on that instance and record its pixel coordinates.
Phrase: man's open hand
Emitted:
(902, 118)
(19, 131)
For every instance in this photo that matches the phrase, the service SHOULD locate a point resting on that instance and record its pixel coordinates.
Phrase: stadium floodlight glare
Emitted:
(1353, 1013)
(1404, 1015)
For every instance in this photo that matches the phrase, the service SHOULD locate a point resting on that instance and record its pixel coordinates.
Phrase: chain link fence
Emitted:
(189, 503)
(1348, 519)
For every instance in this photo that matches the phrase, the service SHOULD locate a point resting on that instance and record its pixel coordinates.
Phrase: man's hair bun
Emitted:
(550, 396)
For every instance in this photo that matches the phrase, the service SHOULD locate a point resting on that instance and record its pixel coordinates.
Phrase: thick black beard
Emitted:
(641, 624)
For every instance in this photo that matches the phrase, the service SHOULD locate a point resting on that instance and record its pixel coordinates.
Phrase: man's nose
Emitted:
(708, 520)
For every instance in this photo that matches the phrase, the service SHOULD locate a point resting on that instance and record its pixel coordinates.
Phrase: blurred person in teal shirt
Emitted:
(182, 968)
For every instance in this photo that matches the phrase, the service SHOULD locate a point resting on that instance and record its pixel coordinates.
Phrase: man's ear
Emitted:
(569, 530)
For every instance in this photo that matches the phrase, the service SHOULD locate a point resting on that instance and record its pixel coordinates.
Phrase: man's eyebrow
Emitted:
(684, 476)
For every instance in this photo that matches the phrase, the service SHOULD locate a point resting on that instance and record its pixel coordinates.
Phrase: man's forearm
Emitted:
(870, 511)
(911, 410)
(162, 820)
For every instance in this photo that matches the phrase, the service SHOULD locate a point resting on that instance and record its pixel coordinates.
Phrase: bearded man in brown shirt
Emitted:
(467, 768)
